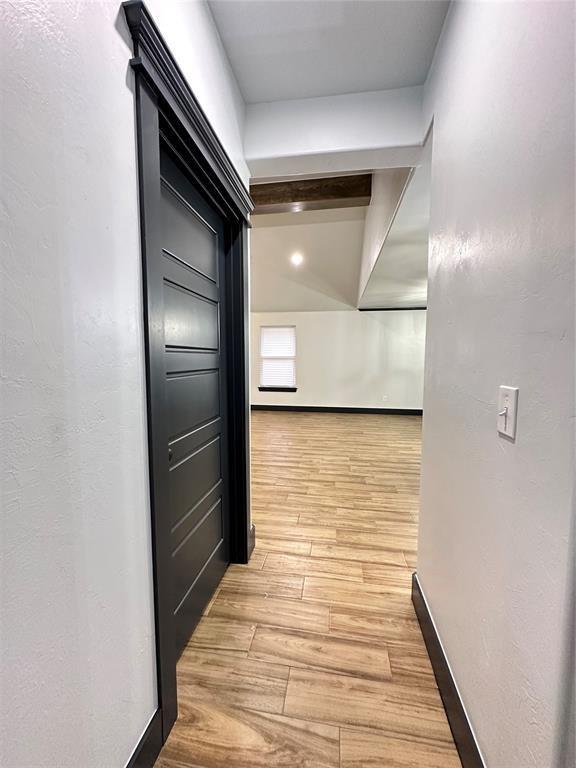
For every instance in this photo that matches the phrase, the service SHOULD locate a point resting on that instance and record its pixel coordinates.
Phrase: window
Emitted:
(278, 358)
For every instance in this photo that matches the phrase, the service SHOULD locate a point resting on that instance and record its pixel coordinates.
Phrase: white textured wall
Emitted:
(334, 123)
(378, 129)
(77, 660)
(496, 550)
(189, 30)
(349, 359)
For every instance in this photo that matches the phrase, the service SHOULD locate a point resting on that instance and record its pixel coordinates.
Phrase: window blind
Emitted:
(278, 356)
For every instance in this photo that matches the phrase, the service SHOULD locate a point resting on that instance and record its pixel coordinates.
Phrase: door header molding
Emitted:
(153, 59)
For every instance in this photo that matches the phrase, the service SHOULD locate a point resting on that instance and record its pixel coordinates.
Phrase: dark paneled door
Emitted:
(195, 394)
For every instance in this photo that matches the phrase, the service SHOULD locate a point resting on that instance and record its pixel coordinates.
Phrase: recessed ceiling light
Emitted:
(296, 259)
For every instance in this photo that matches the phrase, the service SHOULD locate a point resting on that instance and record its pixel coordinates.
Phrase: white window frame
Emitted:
(281, 387)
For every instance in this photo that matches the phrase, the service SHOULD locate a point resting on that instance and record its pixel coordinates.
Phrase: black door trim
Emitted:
(391, 309)
(337, 409)
(166, 110)
(149, 746)
(153, 60)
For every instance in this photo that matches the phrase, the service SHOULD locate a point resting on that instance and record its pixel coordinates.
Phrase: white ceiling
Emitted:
(292, 49)
(331, 243)
(400, 276)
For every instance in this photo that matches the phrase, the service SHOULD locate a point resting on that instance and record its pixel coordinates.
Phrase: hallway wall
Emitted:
(349, 359)
(349, 132)
(77, 656)
(496, 547)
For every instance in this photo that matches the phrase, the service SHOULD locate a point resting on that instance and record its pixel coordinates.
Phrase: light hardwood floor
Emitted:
(311, 655)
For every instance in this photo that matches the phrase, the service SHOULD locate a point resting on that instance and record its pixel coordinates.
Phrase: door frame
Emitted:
(167, 110)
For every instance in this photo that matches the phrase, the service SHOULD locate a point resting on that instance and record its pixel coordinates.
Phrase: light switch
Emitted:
(507, 411)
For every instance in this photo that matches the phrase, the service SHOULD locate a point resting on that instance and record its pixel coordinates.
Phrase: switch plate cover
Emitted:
(507, 411)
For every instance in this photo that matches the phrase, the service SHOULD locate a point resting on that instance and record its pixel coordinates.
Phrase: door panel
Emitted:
(189, 557)
(193, 516)
(187, 444)
(192, 478)
(189, 319)
(195, 396)
(186, 235)
(190, 609)
(192, 400)
(179, 273)
(178, 361)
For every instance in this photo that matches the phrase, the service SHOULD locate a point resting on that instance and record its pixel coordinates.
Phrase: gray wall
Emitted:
(496, 554)
(77, 657)
(349, 359)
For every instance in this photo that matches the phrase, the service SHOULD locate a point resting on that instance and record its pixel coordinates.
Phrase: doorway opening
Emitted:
(311, 654)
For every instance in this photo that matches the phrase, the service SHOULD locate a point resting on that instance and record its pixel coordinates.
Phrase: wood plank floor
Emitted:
(311, 655)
